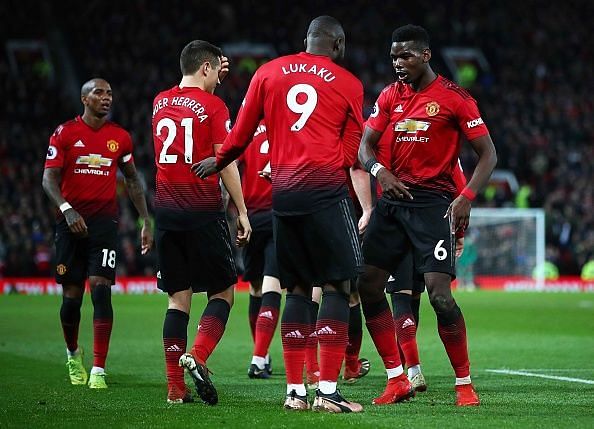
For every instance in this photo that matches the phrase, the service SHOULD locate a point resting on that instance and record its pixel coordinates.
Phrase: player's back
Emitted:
(310, 104)
(187, 123)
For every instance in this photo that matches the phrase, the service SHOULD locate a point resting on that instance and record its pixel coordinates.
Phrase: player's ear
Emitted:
(426, 55)
(305, 43)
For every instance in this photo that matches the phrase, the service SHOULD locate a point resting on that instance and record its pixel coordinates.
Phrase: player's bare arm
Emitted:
(391, 186)
(362, 187)
(52, 177)
(136, 193)
(459, 209)
(230, 178)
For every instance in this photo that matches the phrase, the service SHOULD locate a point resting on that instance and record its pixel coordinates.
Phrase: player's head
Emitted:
(202, 60)
(325, 36)
(410, 52)
(96, 96)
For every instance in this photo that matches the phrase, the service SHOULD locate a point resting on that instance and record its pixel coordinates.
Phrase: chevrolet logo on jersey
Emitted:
(94, 160)
(411, 126)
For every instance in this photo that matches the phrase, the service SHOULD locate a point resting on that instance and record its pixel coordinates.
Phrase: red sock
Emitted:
(295, 329)
(266, 323)
(380, 325)
(406, 333)
(332, 330)
(401, 353)
(211, 328)
(253, 309)
(311, 346)
(174, 344)
(101, 335)
(453, 337)
(351, 355)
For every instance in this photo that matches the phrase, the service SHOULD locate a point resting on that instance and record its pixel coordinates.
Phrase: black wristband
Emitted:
(370, 162)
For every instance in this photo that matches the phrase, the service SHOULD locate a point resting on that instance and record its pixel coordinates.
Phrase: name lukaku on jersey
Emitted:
(313, 69)
(411, 126)
(95, 161)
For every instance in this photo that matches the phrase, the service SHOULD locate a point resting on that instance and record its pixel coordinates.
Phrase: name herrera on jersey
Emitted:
(190, 103)
(304, 68)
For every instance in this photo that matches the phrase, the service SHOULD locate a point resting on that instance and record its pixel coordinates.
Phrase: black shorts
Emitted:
(394, 230)
(406, 277)
(318, 247)
(94, 255)
(202, 259)
(259, 256)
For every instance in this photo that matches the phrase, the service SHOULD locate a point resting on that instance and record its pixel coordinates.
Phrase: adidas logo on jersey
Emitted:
(391, 279)
(398, 109)
(408, 322)
(294, 334)
(174, 348)
(326, 330)
(158, 274)
(79, 144)
(266, 314)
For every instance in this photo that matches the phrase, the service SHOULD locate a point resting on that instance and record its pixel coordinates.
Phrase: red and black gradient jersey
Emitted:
(257, 191)
(89, 160)
(187, 123)
(313, 112)
(427, 127)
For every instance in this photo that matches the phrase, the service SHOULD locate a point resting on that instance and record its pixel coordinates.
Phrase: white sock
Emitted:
(327, 387)
(259, 361)
(97, 370)
(267, 358)
(394, 372)
(414, 370)
(463, 380)
(71, 354)
(298, 388)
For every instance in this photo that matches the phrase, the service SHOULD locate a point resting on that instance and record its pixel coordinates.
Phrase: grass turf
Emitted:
(550, 334)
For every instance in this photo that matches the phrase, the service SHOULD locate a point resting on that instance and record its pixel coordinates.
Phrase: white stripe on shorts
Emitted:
(353, 232)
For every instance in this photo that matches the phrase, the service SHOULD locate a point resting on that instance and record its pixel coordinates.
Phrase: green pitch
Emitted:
(547, 334)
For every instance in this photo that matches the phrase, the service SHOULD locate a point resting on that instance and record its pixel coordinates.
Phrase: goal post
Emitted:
(505, 243)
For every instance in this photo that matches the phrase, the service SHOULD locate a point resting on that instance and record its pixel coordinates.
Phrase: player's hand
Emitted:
(76, 223)
(146, 237)
(244, 230)
(459, 213)
(205, 168)
(224, 68)
(265, 175)
(391, 186)
(459, 246)
(364, 221)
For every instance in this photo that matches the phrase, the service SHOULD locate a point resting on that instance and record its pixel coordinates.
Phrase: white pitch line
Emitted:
(533, 374)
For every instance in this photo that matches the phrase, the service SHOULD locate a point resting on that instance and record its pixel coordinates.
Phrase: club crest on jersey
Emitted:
(61, 269)
(411, 126)
(432, 108)
(94, 160)
(113, 145)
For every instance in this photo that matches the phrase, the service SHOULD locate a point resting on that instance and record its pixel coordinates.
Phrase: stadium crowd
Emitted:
(536, 98)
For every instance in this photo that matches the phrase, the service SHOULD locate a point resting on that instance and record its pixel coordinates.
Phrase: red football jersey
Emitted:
(89, 160)
(313, 111)
(257, 191)
(187, 123)
(427, 127)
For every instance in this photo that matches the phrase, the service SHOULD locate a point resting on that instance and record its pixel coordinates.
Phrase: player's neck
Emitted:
(424, 81)
(93, 121)
(192, 82)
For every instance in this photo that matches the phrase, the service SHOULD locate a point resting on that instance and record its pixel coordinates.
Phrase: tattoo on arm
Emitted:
(52, 177)
(135, 189)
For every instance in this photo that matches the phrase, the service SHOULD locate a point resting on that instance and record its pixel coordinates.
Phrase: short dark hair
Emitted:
(196, 53)
(414, 33)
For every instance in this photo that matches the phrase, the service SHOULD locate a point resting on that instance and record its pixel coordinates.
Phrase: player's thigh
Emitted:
(386, 240)
(254, 254)
(173, 264)
(291, 254)
(212, 257)
(402, 278)
(71, 256)
(103, 241)
(432, 240)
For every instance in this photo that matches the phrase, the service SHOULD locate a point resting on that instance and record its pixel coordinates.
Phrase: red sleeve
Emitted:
(248, 118)
(469, 119)
(127, 153)
(459, 178)
(353, 129)
(380, 117)
(220, 124)
(55, 151)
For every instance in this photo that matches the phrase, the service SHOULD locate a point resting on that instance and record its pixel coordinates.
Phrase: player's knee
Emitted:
(101, 297)
(442, 303)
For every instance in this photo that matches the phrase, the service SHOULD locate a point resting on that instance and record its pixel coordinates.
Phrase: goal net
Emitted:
(503, 245)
